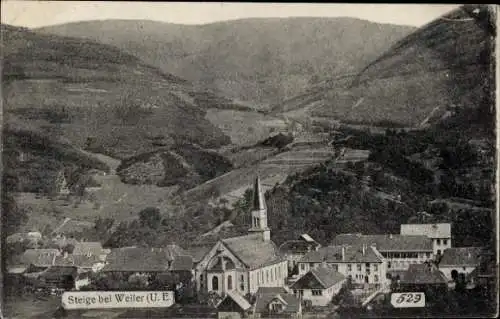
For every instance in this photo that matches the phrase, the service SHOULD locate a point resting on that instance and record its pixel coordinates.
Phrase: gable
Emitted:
(219, 249)
(308, 281)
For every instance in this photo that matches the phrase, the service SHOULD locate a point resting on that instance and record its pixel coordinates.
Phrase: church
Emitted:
(243, 264)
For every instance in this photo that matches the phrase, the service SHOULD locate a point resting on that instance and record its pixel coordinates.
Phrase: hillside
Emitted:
(429, 74)
(98, 97)
(260, 61)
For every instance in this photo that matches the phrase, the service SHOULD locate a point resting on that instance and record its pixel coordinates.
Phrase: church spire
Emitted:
(259, 212)
(259, 201)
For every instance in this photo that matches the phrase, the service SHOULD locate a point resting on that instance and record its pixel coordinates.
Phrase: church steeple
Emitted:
(259, 212)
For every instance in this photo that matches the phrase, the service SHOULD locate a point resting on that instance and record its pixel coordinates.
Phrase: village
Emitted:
(250, 276)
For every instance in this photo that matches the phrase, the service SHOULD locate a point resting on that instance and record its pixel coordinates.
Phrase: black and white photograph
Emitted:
(234, 160)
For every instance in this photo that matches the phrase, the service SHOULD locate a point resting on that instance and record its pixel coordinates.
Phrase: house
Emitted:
(363, 264)
(439, 233)
(423, 278)
(294, 250)
(149, 261)
(400, 251)
(72, 228)
(89, 248)
(319, 285)
(459, 260)
(275, 302)
(61, 277)
(83, 263)
(233, 306)
(243, 264)
(39, 259)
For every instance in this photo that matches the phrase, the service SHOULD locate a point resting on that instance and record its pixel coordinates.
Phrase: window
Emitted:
(242, 282)
(439, 251)
(295, 291)
(272, 275)
(358, 266)
(275, 273)
(229, 282)
(438, 241)
(215, 283)
(302, 266)
(349, 267)
(375, 267)
(267, 276)
(317, 292)
(276, 307)
(335, 267)
(445, 241)
(375, 278)
(388, 264)
(311, 265)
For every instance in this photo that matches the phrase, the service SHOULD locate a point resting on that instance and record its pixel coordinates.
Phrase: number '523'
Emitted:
(415, 298)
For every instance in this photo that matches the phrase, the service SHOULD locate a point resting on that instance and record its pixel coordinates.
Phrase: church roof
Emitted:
(252, 250)
(259, 202)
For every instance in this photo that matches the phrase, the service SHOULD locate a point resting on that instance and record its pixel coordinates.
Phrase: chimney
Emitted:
(390, 236)
(323, 262)
(364, 249)
(343, 253)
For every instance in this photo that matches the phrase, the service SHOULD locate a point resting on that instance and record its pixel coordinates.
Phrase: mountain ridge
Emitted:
(247, 59)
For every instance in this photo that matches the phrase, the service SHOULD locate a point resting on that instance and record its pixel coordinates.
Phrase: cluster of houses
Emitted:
(255, 276)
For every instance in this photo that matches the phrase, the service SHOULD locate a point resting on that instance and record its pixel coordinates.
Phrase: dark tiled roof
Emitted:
(198, 252)
(56, 272)
(144, 259)
(387, 242)
(291, 303)
(76, 260)
(353, 254)
(88, 247)
(271, 290)
(238, 299)
(463, 256)
(252, 250)
(39, 257)
(423, 274)
(319, 278)
(182, 263)
(296, 246)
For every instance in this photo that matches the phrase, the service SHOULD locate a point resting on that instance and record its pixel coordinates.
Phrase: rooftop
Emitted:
(290, 302)
(463, 256)
(148, 259)
(319, 278)
(252, 250)
(442, 230)
(386, 243)
(423, 274)
(353, 253)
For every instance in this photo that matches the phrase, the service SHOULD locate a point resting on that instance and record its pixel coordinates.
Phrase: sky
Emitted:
(33, 14)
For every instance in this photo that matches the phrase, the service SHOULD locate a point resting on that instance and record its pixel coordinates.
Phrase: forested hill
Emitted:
(424, 76)
(261, 61)
(446, 169)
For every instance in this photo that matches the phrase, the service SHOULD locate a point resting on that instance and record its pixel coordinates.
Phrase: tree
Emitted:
(150, 217)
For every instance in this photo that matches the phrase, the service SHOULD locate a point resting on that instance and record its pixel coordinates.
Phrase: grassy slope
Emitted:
(258, 60)
(78, 89)
(432, 70)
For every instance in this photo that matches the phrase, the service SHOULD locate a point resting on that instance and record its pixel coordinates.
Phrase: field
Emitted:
(113, 199)
(244, 128)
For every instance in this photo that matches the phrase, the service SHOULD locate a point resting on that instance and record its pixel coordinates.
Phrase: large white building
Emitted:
(400, 251)
(439, 233)
(243, 264)
(363, 264)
